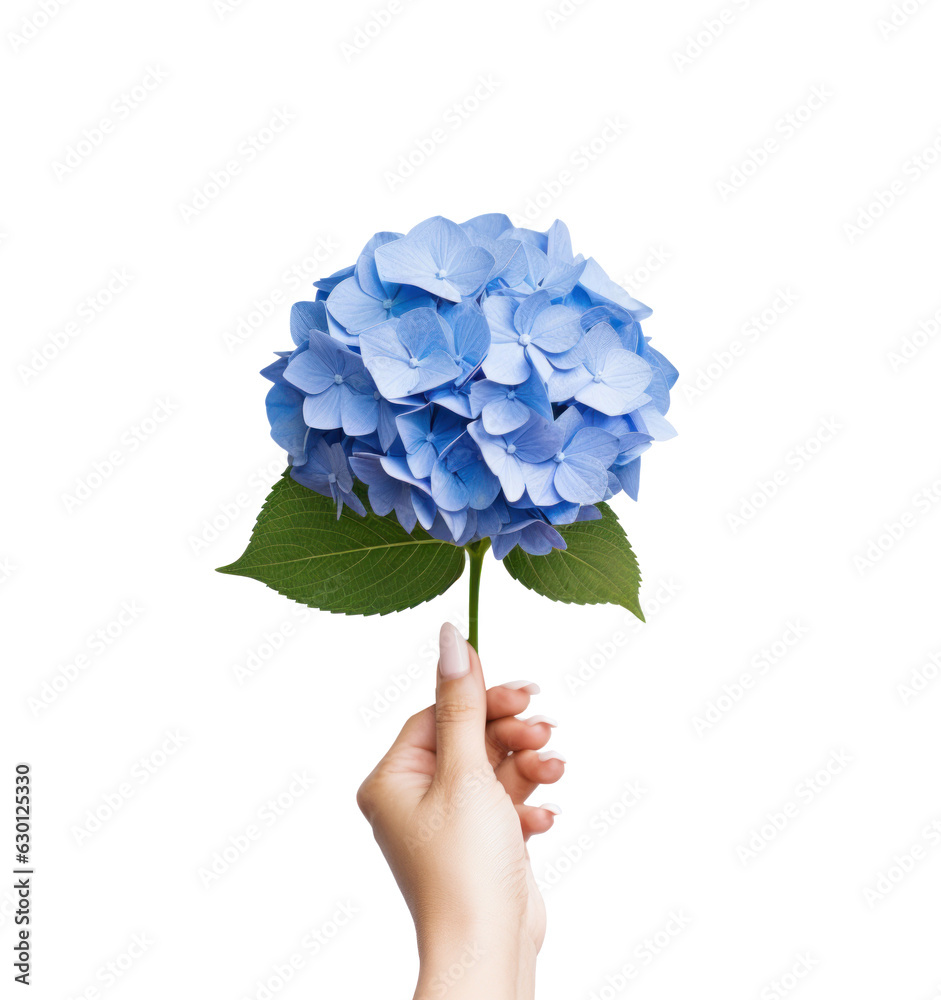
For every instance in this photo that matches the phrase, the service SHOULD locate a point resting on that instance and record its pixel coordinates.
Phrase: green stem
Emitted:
(475, 554)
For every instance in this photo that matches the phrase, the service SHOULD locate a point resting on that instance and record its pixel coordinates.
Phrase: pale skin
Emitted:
(447, 805)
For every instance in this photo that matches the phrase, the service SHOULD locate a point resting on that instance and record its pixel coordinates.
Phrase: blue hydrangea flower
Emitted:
(388, 493)
(503, 408)
(510, 455)
(526, 333)
(327, 471)
(364, 300)
(606, 377)
(426, 433)
(437, 256)
(411, 355)
(339, 392)
(578, 471)
(480, 380)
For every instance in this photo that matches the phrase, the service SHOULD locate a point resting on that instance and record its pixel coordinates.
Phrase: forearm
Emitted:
(468, 966)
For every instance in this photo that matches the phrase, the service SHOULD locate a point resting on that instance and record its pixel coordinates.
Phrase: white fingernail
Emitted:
(535, 720)
(552, 755)
(454, 658)
(551, 807)
(528, 686)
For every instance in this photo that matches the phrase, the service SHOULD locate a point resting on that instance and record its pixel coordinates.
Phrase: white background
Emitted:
(811, 396)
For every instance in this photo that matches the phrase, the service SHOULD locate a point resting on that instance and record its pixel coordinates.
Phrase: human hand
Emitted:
(447, 807)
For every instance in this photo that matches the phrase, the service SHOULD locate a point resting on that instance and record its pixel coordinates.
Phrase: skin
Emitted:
(447, 807)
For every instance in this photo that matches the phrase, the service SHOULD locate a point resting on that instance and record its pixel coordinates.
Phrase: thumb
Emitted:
(460, 707)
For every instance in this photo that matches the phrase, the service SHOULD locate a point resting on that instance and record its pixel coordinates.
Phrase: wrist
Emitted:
(495, 961)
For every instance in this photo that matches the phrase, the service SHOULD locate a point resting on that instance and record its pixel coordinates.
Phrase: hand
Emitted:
(447, 807)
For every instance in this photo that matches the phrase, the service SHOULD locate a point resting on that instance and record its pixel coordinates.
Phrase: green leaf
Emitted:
(355, 565)
(598, 567)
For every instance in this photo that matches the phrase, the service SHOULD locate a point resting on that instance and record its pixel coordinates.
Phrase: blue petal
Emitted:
(285, 414)
(454, 398)
(595, 442)
(493, 225)
(601, 288)
(505, 415)
(328, 284)
(556, 329)
(559, 243)
(629, 477)
(359, 412)
(447, 488)
(355, 309)
(305, 318)
(539, 539)
(323, 409)
(470, 333)
(537, 441)
(507, 363)
(581, 479)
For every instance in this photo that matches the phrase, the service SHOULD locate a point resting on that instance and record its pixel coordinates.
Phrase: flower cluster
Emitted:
(480, 379)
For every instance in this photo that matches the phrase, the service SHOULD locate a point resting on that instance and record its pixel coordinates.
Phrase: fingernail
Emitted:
(454, 659)
(551, 807)
(536, 719)
(552, 755)
(528, 686)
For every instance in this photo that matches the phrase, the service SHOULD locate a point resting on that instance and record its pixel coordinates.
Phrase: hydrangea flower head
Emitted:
(479, 379)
